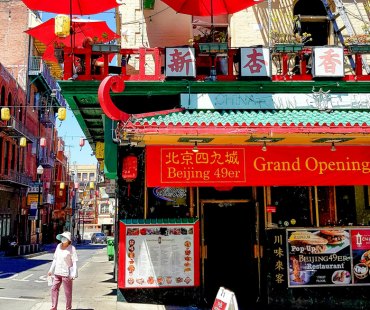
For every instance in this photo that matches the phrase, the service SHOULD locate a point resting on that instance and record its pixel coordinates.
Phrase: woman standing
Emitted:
(64, 269)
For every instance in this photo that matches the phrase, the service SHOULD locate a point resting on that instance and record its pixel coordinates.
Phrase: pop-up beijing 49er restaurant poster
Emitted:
(319, 257)
(328, 256)
(162, 254)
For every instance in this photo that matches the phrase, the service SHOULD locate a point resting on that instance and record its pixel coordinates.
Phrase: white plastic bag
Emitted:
(50, 280)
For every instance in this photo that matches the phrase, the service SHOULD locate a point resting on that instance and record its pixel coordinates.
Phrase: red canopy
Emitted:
(209, 7)
(97, 30)
(72, 7)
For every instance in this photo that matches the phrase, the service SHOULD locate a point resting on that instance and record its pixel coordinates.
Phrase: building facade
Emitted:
(29, 141)
(238, 174)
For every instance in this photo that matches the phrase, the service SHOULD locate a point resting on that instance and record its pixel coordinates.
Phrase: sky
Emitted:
(69, 129)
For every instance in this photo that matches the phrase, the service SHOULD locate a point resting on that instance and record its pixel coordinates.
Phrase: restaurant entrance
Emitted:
(228, 236)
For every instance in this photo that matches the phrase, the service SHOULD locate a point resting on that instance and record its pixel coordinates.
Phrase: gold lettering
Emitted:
(187, 174)
(312, 164)
(260, 164)
(296, 165)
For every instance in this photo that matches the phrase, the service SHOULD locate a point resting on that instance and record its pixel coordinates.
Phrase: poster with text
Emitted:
(361, 255)
(159, 255)
(319, 257)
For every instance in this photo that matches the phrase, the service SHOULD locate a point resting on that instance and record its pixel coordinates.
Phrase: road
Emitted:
(23, 280)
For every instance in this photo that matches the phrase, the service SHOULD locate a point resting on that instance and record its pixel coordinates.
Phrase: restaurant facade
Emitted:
(257, 190)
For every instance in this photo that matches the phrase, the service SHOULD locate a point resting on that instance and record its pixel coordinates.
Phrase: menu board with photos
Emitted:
(361, 255)
(320, 257)
(159, 255)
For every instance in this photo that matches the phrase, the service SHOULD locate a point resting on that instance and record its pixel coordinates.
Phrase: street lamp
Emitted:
(40, 171)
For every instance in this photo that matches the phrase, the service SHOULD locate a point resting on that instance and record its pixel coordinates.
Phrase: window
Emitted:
(313, 19)
(92, 177)
(104, 208)
(202, 29)
(84, 176)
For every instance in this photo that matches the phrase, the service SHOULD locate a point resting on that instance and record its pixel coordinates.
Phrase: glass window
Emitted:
(92, 177)
(292, 205)
(104, 208)
(84, 176)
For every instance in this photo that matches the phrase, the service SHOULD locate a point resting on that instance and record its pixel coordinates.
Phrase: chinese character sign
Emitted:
(328, 61)
(180, 62)
(254, 61)
(181, 166)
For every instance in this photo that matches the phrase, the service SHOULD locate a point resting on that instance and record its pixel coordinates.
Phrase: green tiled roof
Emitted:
(261, 117)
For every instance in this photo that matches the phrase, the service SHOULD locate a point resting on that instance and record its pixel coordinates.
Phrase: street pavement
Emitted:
(96, 289)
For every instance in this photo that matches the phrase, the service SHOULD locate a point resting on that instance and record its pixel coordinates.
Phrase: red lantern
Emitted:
(129, 168)
(82, 142)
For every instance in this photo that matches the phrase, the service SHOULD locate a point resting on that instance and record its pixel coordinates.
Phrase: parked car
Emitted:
(98, 237)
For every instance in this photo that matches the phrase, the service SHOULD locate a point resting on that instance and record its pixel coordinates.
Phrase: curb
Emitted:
(29, 255)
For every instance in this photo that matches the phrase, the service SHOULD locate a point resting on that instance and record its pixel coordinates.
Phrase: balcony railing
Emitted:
(47, 161)
(14, 177)
(285, 65)
(47, 117)
(39, 68)
(16, 129)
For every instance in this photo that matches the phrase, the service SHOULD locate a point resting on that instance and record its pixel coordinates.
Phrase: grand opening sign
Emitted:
(250, 166)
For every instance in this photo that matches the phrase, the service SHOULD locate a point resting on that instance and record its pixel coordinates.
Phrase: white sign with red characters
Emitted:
(255, 61)
(328, 61)
(180, 62)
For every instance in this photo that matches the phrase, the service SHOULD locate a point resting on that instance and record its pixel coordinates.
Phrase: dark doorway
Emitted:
(229, 235)
(314, 20)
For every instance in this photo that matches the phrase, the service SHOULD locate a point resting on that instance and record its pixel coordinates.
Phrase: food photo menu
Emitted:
(319, 257)
(361, 255)
(165, 255)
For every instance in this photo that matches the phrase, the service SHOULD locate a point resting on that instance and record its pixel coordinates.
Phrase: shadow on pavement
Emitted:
(13, 266)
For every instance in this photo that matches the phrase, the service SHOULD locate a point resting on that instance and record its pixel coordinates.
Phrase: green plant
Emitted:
(279, 37)
(286, 30)
(363, 38)
(207, 35)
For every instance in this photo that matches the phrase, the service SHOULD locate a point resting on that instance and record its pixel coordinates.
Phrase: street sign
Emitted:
(33, 212)
(31, 198)
(34, 187)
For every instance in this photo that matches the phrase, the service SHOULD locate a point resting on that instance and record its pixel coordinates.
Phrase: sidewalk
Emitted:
(95, 289)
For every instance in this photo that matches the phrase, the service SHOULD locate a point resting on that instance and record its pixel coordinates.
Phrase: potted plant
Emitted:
(288, 38)
(289, 42)
(359, 43)
(210, 41)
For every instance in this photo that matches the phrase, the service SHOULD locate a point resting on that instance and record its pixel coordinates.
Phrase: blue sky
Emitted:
(69, 129)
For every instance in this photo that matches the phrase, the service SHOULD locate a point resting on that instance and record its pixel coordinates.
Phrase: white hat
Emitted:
(66, 234)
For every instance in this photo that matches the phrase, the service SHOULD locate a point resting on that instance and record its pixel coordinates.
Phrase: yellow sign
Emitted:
(99, 150)
(33, 198)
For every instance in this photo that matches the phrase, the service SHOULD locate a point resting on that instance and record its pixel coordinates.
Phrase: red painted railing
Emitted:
(291, 66)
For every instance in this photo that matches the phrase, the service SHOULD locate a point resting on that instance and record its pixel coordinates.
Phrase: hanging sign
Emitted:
(180, 62)
(33, 212)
